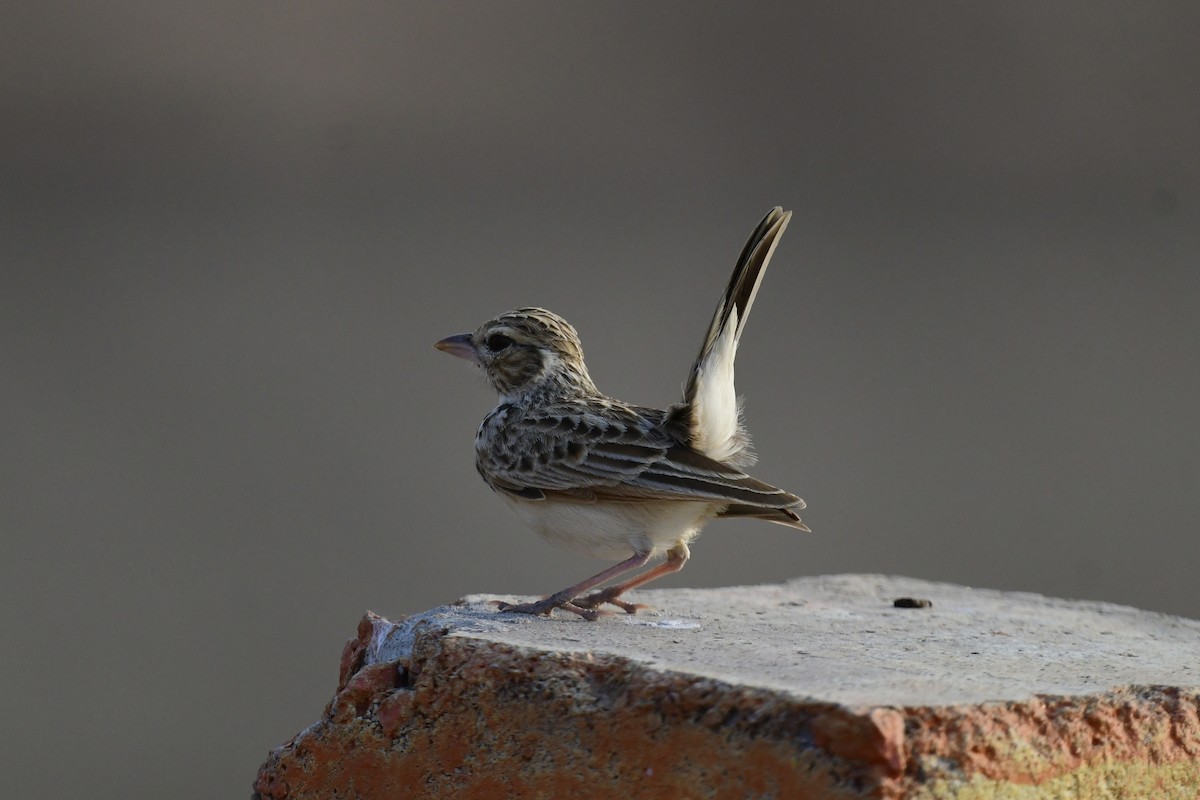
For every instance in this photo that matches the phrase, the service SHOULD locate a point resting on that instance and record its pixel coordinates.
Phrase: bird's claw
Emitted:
(608, 596)
(546, 605)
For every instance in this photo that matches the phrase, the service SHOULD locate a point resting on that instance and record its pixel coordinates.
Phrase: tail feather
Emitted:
(747, 275)
(710, 406)
(780, 516)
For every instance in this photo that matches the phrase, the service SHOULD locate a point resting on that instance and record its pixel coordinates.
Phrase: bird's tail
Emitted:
(710, 408)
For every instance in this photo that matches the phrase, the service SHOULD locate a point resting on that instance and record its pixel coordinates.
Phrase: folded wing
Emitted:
(570, 453)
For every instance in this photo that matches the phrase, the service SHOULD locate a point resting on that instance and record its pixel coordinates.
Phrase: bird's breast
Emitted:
(613, 530)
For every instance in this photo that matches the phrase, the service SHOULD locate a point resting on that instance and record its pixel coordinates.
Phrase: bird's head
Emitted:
(528, 351)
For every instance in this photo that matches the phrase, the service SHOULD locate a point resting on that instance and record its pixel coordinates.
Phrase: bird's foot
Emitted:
(609, 596)
(546, 605)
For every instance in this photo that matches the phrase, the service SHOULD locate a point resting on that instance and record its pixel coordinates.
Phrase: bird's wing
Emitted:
(617, 454)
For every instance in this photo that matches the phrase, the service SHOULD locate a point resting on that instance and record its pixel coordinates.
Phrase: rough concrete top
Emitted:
(817, 688)
(839, 639)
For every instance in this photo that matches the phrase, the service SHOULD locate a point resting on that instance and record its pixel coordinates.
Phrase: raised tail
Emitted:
(710, 409)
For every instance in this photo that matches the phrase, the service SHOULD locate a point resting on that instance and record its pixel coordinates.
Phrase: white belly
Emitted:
(614, 530)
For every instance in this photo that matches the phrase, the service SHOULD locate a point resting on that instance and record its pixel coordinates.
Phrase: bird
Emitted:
(611, 479)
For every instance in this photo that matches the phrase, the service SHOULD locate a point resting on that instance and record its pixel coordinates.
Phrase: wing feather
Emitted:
(622, 455)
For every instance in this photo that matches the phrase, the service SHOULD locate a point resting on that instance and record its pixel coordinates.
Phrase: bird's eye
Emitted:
(497, 342)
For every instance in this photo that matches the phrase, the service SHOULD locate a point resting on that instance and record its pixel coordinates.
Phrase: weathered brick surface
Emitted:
(452, 704)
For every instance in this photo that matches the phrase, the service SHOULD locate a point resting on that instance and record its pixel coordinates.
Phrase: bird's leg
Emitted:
(563, 599)
(677, 556)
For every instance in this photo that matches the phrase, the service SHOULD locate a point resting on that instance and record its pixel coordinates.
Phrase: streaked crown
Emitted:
(532, 351)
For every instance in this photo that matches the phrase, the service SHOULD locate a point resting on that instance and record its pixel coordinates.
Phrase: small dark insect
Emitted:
(912, 602)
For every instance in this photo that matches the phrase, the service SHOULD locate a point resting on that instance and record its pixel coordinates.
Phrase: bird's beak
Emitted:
(460, 346)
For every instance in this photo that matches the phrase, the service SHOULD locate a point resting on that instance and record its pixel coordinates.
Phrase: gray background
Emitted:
(230, 234)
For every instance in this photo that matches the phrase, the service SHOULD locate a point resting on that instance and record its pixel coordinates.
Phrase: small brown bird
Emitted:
(607, 478)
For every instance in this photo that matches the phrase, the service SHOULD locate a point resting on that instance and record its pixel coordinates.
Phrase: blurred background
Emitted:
(230, 234)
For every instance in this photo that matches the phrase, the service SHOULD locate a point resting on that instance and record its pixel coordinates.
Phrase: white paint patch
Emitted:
(668, 624)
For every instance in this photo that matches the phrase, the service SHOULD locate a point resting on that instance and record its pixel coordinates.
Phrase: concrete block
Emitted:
(815, 688)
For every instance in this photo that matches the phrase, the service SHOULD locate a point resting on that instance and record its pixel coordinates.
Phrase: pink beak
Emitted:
(460, 346)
